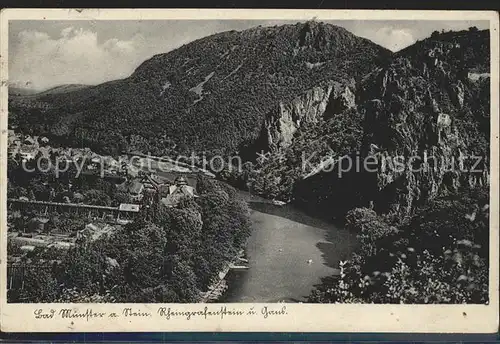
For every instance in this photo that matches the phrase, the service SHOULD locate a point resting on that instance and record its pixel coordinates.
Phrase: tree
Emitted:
(96, 197)
(184, 232)
(374, 233)
(39, 285)
(440, 257)
(449, 219)
(15, 191)
(205, 185)
(168, 257)
(121, 197)
(83, 268)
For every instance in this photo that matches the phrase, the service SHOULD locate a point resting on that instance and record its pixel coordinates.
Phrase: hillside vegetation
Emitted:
(209, 95)
(426, 237)
(316, 92)
(171, 256)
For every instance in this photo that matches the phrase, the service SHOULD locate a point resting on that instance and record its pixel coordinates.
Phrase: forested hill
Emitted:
(209, 95)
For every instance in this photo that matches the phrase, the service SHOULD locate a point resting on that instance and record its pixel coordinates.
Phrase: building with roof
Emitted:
(28, 140)
(27, 153)
(78, 197)
(177, 192)
(63, 245)
(181, 187)
(93, 232)
(38, 224)
(127, 212)
(154, 184)
(134, 208)
(135, 190)
(12, 138)
(110, 165)
(27, 248)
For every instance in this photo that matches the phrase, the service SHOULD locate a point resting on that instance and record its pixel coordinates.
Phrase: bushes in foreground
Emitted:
(423, 262)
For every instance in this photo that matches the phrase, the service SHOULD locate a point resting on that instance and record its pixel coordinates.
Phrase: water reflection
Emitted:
(289, 253)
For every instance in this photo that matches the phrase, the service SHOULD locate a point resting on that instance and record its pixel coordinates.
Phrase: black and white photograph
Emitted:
(245, 161)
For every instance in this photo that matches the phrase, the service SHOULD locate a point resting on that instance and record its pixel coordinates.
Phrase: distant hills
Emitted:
(20, 91)
(209, 95)
(63, 89)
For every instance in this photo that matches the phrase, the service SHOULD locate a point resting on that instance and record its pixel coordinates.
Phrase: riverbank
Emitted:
(216, 290)
(288, 254)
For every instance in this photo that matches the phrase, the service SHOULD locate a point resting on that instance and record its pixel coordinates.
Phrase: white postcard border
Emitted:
(296, 317)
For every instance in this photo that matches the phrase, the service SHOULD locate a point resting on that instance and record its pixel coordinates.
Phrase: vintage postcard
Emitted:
(249, 170)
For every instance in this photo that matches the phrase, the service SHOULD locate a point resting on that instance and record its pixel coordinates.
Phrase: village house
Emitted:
(38, 224)
(145, 184)
(128, 212)
(43, 140)
(176, 192)
(110, 165)
(43, 241)
(27, 154)
(135, 189)
(27, 150)
(78, 197)
(92, 232)
(29, 141)
(152, 182)
(12, 138)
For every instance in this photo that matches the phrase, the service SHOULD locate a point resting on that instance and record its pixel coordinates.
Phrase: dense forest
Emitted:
(170, 256)
(210, 95)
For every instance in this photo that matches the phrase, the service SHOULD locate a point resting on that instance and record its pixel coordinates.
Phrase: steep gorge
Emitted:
(310, 107)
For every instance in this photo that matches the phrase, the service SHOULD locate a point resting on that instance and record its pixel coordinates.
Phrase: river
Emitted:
(288, 253)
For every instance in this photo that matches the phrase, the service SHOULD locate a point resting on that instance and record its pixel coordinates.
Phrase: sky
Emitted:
(44, 54)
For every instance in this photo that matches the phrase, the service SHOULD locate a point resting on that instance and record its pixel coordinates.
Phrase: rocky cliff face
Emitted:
(281, 124)
(426, 124)
(434, 118)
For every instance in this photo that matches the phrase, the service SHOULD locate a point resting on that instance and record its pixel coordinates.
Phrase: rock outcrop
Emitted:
(429, 122)
(281, 124)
